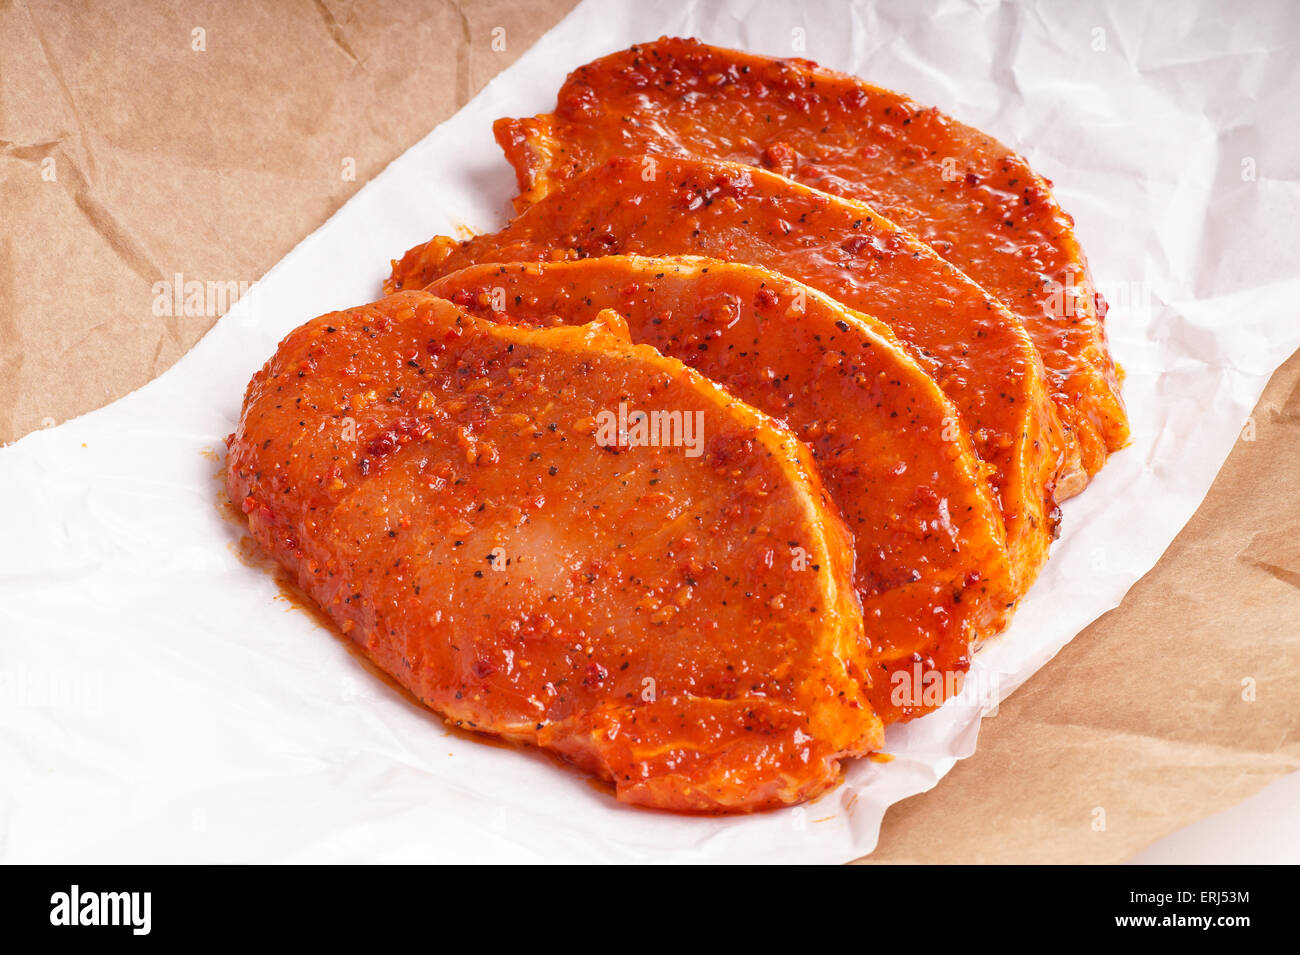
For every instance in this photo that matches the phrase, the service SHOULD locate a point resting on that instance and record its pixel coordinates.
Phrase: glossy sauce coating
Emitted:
(438, 485)
(974, 201)
(932, 572)
(977, 351)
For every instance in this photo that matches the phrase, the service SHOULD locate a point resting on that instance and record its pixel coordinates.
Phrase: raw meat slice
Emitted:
(451, 492)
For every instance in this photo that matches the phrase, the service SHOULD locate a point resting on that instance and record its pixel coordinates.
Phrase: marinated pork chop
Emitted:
(975, 349)
(974, 201)
(474, 506)
(932, 572)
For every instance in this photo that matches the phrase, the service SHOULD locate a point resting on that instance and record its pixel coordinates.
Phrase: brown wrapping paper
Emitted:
(142, 142)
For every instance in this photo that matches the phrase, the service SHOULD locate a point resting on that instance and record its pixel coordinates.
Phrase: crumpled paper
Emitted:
(164, 701)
